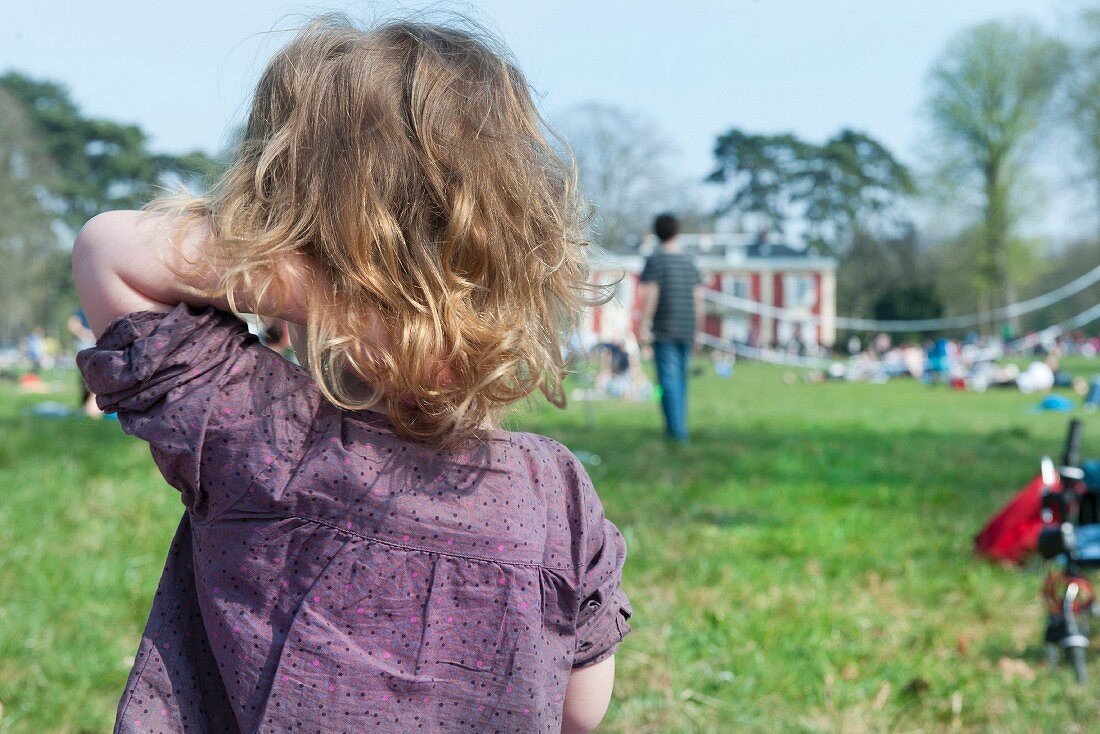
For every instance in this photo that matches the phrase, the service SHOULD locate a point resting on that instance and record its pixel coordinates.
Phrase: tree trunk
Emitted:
(984, 324)
(996, 236)
(1096, 183)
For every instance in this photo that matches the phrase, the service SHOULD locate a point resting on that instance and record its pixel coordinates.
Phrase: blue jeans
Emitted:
(672, 373)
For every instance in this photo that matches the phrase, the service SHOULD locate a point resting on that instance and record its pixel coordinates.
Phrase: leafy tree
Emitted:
(851, 181)
(1083, 96)
(874, 265)
(97, 164)
(988, 94)
(1061, 266)
(909, 302)
(59, 168)
(761, 171)
(27, 240)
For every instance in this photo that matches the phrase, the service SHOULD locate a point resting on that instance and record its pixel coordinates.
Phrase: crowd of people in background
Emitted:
(972, 363)
(613, 369)
(36, 354)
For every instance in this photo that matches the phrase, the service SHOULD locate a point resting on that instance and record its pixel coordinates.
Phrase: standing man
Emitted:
(672, 314)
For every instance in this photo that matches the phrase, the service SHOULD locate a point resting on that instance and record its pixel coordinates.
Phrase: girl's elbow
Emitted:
(581, 722)
(92, 246)
(587, 697)
(88, 254)
(99, 258)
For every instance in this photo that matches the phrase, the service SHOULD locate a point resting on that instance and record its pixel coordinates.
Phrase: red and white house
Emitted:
(798, 281)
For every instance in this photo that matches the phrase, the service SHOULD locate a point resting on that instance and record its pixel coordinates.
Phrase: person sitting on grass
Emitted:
(363, 547)
(82, 334)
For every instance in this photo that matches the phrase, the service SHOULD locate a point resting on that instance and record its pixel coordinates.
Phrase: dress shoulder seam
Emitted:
(421, 549)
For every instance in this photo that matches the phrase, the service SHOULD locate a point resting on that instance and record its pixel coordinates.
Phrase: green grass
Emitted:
(804, 565)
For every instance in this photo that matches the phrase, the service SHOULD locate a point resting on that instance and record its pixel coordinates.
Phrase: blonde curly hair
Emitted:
(407, 167)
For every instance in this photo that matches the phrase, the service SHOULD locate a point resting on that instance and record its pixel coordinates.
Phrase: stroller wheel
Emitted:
(1055, 631)
(1054, 656)
(1077, 658)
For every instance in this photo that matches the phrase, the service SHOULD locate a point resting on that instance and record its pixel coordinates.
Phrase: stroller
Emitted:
(1070, 536)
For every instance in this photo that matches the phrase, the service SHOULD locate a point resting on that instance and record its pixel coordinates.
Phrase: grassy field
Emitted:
(803, 566)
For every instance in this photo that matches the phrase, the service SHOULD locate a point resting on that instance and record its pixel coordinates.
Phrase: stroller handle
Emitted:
(1072, 456)
(1048, 473)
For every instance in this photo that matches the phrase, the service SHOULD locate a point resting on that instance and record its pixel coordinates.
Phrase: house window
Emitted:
(736, 329)
(737, 286)
(799, 291)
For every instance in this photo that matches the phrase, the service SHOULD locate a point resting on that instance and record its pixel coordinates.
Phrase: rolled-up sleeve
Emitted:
(160, 373)
(604, 609)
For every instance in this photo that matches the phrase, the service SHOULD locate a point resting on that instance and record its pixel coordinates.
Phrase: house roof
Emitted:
(772, 250)
(722, 253)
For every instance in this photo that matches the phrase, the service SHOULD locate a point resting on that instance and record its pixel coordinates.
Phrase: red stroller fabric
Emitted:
(1013, 533)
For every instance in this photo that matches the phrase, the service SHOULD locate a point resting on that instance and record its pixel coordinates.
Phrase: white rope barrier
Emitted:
(951, 322)
(773, 356)
(762, 355)
(1084, 318)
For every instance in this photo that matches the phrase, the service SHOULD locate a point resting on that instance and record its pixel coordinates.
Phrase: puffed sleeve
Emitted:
(178, 380)
(605, 608)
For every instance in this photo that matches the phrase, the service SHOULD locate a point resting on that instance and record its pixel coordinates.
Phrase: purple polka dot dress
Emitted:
(330, 576)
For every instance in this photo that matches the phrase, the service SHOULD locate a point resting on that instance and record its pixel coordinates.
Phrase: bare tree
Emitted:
(623, 164)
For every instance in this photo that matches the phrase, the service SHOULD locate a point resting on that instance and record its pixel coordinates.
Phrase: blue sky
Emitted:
(183, 71)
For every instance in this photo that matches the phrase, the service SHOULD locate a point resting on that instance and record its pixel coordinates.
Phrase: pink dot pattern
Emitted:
(328, 575)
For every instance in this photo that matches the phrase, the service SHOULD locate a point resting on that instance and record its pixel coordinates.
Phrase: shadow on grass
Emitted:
(641, 477)
(727, 518)
(767, 555)
(755, 476)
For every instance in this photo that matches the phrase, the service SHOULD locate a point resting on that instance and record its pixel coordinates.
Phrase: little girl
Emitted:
(363, 548)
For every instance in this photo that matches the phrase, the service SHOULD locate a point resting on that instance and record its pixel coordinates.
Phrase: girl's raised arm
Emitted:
(123, 262)
(126, 261)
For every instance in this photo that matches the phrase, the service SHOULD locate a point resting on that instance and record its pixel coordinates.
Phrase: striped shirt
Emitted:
(676, 276)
